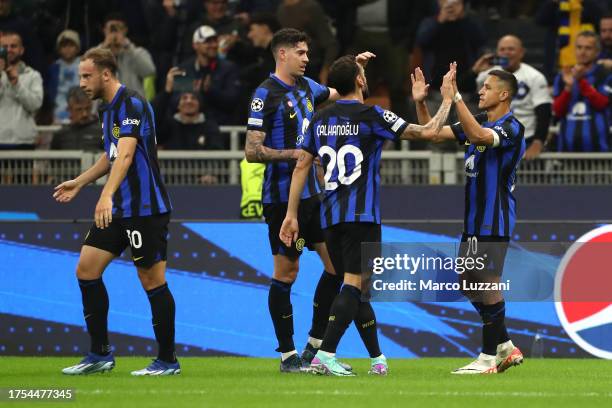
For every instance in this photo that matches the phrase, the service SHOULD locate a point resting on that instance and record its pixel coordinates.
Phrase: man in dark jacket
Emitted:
(83, 132)
(187, 128)
(217, 80)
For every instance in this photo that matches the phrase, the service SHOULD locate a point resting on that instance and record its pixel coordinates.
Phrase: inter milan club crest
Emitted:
(116, 131)
(257, 105)
(299, 244)
(309, 106)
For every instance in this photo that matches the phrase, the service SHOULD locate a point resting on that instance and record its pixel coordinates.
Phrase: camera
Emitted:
(4, 56)
(497, 60)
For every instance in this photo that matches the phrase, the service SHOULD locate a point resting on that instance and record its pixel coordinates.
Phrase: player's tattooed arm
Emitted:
(256, 152)
(434, 130)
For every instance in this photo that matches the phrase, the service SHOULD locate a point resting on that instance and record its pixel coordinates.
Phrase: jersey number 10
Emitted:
(339, 159)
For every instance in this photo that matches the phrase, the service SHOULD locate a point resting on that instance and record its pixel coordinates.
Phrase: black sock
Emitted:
(503, 334)
(328, 287)
(492, 322)
(343, 312)
(163, 311)
(366, 326)
(281, 311)
(95, 310)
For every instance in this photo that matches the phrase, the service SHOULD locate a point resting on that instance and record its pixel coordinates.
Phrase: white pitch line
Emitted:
(520, 394)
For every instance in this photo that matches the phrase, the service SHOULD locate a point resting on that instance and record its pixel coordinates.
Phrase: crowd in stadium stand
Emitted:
(198, 61)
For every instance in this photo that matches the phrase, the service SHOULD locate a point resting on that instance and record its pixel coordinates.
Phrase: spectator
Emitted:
(449, 36)
(388, 28)
(581, 99)
(187, 128)
(308, 16)
(605, 33)
(63, 74)
(228, 29)
(11, 22)
(83, 131)
(532, 103)
(217, 80)
(21, 94)
(551, 16)
(134, 63)
(261, 30)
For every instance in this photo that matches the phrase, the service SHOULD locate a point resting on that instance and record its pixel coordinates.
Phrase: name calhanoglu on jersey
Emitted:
(347, 129)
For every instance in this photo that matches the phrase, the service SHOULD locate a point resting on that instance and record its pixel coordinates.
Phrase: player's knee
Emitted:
(149, 279)
(287, 272)
(87, 271)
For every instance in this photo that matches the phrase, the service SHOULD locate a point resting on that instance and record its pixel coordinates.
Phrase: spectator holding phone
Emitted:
(134, 63)
(216, 80)
(184, 127)
(532, 103)
(21, 95)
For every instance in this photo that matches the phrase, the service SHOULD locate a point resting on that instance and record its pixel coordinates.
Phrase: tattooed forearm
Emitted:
(440, 117)
(256, 152)
(432, 128)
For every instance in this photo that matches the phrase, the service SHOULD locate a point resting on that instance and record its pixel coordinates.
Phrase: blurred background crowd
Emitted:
(198, 61)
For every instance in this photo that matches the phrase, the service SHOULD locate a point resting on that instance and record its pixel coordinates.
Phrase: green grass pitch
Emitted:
(254, 382)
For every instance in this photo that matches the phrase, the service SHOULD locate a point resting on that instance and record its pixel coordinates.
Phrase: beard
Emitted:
(365, 92)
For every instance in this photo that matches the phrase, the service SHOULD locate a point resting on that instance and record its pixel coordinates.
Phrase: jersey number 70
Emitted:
(339, 159)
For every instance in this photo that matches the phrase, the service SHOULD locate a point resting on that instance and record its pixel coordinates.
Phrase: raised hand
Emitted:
(363, 58)
(66, 191)
(568, 77)
(448, 87)
(289, 231)
(419, 87)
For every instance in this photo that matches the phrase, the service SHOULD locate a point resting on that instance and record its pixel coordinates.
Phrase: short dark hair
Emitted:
(115, 16)
(77, 94)
(102, 58)
(508, 78)
(605, 16)
(590, 34)
(288, 36)
(342, 74)
(15, 33)
(267, 19)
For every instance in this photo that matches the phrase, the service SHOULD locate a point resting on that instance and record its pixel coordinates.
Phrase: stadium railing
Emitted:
(547, 169)
(48, 167)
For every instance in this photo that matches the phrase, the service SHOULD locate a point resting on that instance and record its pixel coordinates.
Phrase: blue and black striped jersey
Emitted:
(142, 192)
(283, 112)
(583, 128)
(490, 207)
(348, 136)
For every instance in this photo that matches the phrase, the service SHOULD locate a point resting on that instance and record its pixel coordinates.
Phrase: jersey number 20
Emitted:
(339, 159)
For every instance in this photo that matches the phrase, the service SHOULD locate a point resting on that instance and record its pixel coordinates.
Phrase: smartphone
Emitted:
(183, 83)
(501, 61)
(4, 56)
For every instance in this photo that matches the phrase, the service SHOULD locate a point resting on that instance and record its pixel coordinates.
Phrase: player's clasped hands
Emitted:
(289, 231)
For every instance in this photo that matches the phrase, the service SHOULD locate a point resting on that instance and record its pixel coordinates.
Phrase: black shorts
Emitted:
(309, 220)
(344, 244)
(492, 251)
(146, 236)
